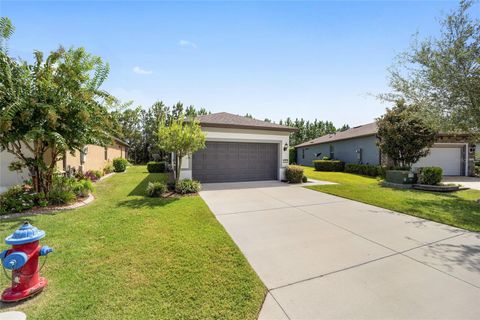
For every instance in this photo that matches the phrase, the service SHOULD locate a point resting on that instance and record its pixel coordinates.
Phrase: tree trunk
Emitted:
(178, 166)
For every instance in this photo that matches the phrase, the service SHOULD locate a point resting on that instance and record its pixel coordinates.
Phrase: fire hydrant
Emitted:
(22, 259)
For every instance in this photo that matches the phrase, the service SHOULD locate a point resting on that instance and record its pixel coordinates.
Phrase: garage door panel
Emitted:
(447, 158)
(236, 161)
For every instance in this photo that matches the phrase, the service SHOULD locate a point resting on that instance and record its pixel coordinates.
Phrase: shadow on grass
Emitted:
(146, 202)
(140, 189)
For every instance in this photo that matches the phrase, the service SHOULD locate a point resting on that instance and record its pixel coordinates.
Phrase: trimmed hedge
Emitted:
(294, 174)
(120, 164)
(329, 165)
(365, 169)
(157, 167)
(430, 175)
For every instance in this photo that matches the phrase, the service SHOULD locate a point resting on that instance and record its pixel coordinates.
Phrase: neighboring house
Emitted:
(94, 158)
(238, 149)
(453, 153)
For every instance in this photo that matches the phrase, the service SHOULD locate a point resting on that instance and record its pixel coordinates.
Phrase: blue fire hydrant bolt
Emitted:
(45, 250)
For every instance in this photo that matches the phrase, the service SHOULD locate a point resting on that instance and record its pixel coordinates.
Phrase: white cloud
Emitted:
(139, 70)
(186, 43)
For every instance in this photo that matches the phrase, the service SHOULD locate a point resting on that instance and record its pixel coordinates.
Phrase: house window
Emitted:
(303, 153)
(106, 153)
(332, 152)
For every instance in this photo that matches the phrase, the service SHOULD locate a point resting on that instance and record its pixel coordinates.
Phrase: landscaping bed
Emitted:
(129, 256)
(459, 209)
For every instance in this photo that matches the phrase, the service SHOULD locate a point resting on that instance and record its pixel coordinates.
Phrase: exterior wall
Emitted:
(7, 177)
(243, 135)
(95, 159)
(345, 150)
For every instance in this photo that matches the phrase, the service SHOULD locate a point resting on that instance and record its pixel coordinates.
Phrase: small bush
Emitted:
(294, 174)
(108, 168)
(17, 199)
(60, 196)
(82, 188)
(329, 165)
(304, 179)
(365, 169)
(62, 190)
(187, 186)
(430, 175)
(477, 171)
(120, 164)
(156, 188)
(93, 175)
(157, 167)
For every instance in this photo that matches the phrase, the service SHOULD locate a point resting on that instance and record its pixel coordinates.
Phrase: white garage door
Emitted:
(449, 159)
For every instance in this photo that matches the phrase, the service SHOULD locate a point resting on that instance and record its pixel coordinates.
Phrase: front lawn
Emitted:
(458, 209)
(126, 256)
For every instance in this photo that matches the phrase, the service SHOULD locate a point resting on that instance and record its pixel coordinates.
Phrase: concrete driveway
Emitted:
(469, 182)
(324, 257)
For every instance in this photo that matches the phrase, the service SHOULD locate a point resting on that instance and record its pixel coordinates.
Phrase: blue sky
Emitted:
(271, 59)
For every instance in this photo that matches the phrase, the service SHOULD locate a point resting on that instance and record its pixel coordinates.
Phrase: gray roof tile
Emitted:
(360, 131)
(228, 120)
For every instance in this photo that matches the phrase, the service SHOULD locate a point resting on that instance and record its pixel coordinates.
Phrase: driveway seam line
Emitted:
(335, 271)
(278, 303)
(288, 206)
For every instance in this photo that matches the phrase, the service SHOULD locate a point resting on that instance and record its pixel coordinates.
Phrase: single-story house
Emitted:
(452, 152)
(93, 157)
(238, 149)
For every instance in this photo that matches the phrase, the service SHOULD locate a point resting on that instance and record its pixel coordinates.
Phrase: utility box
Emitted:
(400, 177)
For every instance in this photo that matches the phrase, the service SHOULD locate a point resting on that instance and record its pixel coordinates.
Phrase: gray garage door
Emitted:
(236, 161)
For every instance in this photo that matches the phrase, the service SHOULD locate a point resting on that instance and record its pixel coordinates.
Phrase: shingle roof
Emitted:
(360, 131)
(228, 120)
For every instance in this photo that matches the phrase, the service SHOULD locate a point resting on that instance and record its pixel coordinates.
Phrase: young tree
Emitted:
(403, 135)
(442, 75)
(182, 137)
(52, 107)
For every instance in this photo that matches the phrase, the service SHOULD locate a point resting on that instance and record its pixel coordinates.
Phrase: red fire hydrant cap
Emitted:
(25, 234)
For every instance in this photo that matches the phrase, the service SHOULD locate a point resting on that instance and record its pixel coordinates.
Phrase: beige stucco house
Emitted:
(93, 157)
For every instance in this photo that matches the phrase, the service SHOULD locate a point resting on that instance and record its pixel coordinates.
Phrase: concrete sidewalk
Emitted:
(324, 257)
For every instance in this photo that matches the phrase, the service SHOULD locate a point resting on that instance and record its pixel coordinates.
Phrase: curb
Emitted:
(75, 205)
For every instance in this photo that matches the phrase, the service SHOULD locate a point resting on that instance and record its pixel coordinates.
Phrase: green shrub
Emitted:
(60, 196)
(304, 179)
(62, 190)
(187, 186)
(17, 199)
(108, 168)
(156, 188)
(120, 164)
(157, 167)
(82, 188)
(430, 175)
(365, 169)
(294, 174)
(477, 171)
(329, 165)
